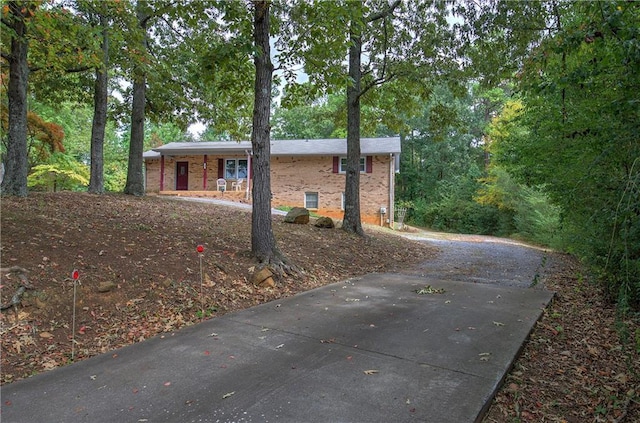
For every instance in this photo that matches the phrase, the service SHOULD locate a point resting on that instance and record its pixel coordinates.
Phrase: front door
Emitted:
(182, 176)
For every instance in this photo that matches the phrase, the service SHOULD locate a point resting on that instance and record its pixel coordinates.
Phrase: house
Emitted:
(304, 173)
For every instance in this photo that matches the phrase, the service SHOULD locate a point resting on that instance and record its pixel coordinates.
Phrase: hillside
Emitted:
(581, 364)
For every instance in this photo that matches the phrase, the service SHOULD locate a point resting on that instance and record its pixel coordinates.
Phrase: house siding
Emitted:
(291, 178)
(196, 173)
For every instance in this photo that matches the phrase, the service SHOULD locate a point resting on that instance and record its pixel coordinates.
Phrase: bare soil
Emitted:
(581, 364)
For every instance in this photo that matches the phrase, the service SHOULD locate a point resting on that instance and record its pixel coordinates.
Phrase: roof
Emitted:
(314, 147)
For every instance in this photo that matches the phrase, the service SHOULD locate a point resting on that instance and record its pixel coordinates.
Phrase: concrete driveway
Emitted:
(430, 344)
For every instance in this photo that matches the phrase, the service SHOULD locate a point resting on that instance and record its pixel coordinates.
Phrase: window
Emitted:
(343, 165)
(235, 168)
(311, 200)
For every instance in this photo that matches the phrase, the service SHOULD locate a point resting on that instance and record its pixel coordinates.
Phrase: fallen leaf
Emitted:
(167, 383)
(45, 335)
(485, 356)
(228, 394)
(49, 364)
(430, 290)
(498, 323)
(370, 372)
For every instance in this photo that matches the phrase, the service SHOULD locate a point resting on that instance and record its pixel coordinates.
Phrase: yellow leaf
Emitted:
(370, 372)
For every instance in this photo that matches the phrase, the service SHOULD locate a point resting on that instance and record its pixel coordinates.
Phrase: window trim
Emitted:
(317, 195)
(338, 167)
(363, 164)
(236, 167)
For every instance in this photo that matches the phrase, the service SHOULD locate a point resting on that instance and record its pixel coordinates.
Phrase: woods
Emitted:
(517, 118)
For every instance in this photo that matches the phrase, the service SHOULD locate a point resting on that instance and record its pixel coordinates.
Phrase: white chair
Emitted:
(237, 185)
(221, 184)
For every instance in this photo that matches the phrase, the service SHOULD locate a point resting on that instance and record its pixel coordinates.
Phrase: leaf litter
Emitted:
(144, 246)
(142, 253)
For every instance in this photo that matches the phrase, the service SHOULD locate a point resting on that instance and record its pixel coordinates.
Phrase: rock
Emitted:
(261, 275)
(106, 286)
(325, 222)
(298, 215)
(268, 283)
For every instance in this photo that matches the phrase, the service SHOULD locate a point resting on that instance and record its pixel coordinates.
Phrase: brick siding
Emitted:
(291, 178)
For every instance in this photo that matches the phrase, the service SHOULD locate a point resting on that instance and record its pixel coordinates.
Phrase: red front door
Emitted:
(182, 176)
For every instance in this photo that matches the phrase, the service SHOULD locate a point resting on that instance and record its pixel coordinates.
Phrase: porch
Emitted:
(237, 196)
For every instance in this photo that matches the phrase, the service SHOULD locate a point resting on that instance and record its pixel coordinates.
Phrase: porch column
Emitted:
(249, 175)
(392, 190)
(161, 172)
(204, 173)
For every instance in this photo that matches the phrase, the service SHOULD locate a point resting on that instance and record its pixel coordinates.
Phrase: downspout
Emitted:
(161, 172)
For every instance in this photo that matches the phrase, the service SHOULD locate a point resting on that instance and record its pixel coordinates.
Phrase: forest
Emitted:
(517, 119)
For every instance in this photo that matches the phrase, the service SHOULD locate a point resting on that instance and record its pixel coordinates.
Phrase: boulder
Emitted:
(325, 222)
(298, 215)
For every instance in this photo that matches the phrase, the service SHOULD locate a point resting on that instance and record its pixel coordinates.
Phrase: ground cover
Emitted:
(140, 275)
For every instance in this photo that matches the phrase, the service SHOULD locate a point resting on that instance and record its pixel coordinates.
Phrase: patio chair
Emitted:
(237, 185)
(221, 184)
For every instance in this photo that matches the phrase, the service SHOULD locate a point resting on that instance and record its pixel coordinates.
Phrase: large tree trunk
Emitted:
(135, 178)
(16, 166)
(351, 221)
(96, 180)
(263, 242)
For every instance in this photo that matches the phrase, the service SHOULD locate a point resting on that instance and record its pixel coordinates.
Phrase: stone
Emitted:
(268, 283)
(106, 286)
(260, 276)
(298, 215)
(325, 222)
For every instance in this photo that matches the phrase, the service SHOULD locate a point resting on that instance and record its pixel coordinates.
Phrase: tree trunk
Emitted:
(351, 221)
(16, 167)
(96, 180)
(263, 242)
(135, 178)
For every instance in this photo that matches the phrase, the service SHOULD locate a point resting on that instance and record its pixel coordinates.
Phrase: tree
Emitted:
(135, 177)
(15, 16)
(309, 121)
(263, 242)
(98, 127)
(404, 45)
(36, 46)
(579, 92)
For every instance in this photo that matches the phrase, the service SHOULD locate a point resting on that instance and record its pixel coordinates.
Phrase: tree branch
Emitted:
(384, 13)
